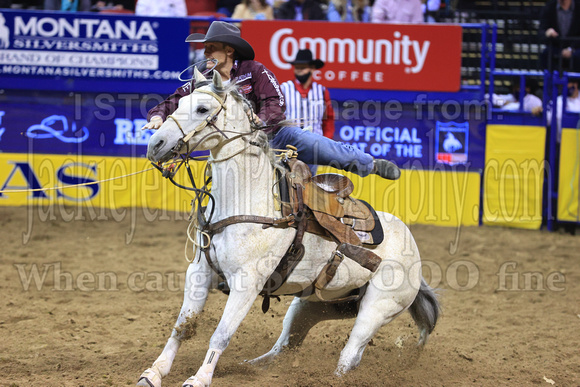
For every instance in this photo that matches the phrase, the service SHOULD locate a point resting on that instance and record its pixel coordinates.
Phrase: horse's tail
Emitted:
(425, 311)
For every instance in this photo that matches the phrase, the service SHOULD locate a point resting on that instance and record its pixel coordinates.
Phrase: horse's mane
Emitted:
(231, 88)
(260, 139)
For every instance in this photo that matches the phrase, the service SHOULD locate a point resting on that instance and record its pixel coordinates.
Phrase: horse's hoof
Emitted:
(194, 382)
(149, 378)
(261, 361)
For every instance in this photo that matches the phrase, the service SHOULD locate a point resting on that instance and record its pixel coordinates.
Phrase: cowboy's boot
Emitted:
(386, 169)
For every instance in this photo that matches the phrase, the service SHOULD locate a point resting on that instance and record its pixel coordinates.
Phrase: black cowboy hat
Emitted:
(305, 57)
(227, 33)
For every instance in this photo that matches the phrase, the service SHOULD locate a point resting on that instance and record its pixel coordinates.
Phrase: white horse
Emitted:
(214, 118)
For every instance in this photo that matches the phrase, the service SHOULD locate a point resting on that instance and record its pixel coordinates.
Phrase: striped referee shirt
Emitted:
(309, 107)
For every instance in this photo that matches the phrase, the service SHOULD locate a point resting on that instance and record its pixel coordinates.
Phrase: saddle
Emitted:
(324, 201)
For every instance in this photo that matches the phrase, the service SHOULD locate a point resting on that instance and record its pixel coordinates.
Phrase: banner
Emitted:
(514, 176)
(114, 49)
(74, 128)
(89, 181)
(413, 138)
(569, 176)
(425, 57)
(107, 124)
(49, 184)
(110, 125)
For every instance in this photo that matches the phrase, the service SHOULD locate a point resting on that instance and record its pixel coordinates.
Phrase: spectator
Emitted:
(308, 102)
(300, 10)
(66, 5)
(349, 11)
(117, 5)
(532, 103)
(253, 10)
(430, 10)
(560, 19)
(572, 105)
(226, 7)
(172, 8)
(397, 11)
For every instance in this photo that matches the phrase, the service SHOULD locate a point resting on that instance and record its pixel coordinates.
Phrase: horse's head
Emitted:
(200, 120)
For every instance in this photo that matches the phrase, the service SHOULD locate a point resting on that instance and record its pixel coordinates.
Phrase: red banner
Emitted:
(421, 57)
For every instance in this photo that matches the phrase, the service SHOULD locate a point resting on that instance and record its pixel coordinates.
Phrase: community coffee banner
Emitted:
(418, 57)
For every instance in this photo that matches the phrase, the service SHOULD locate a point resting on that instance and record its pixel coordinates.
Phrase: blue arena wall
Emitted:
(64, 128)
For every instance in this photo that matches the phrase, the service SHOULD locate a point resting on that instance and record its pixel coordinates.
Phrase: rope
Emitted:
(74, 185)
(193, 225)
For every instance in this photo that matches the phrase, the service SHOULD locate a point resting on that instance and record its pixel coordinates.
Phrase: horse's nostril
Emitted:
(159, 144)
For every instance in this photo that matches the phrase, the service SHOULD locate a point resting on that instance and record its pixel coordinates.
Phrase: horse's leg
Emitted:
(243, 292)
(378, 307)
(301, 316)
(197, 283)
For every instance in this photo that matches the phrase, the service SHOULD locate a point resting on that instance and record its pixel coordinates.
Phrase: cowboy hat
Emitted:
(305, 57)
(227, 33)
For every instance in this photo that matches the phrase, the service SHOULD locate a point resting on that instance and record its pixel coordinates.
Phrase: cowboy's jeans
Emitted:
(319, 150)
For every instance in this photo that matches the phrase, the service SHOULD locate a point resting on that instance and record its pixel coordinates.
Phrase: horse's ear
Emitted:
(198, 76)
(217, 81)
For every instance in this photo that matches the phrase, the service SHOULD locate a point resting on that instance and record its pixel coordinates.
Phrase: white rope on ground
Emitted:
(74, 185)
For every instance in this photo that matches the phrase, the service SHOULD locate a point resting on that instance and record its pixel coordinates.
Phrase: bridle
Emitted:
(200, 193)
(210, 120)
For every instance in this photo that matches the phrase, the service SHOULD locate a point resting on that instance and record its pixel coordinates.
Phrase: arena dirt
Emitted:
(113, 289)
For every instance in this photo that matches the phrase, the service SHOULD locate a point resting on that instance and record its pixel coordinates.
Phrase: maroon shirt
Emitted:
(256, 83)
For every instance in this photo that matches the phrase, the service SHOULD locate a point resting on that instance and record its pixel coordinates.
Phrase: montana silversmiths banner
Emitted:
(77, 49)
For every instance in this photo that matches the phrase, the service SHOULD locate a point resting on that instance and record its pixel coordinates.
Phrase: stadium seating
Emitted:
(518, 46)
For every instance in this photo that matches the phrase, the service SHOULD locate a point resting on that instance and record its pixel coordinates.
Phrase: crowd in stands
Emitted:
(376, 11)
(511, 101)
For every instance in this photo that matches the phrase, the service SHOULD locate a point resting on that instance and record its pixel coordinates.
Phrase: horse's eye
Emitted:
(202, 110)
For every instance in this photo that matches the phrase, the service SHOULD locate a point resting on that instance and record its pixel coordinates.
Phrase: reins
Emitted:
(199, 220)
(210, 120)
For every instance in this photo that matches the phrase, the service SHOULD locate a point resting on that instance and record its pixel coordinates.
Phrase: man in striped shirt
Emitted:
(308, 102)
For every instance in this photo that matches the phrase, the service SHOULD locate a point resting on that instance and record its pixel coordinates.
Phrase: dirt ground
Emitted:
(92, 303)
